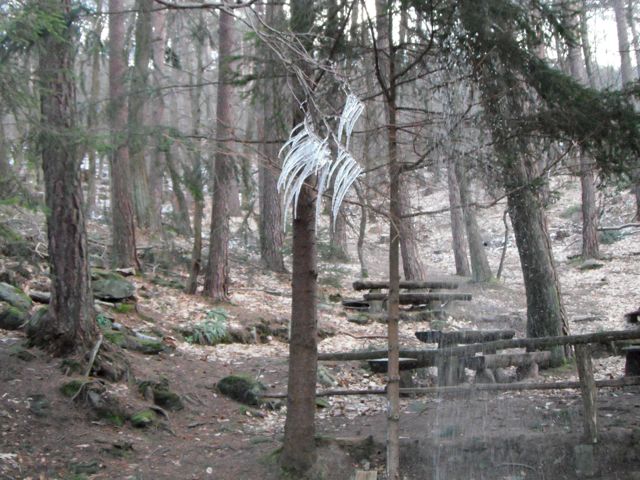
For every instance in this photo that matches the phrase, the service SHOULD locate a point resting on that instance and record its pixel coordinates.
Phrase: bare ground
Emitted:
(44, 434)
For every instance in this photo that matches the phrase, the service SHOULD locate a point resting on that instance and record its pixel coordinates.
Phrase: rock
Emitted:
(35, 320)
(241, 388)
(20, 352)
(361, 319)
(591, 264)
(40, 297)
(161, 395)
(143, 418)
(112, 289)
(39, 404)
(325, 378)
(14, 296)
(11, 317)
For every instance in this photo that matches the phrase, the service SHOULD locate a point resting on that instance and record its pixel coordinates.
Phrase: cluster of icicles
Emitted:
(307, 154)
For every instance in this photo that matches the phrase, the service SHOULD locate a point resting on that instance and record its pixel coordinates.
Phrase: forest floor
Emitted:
(509, 435)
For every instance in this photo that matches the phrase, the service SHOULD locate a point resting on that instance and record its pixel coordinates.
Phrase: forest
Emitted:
(228, 229)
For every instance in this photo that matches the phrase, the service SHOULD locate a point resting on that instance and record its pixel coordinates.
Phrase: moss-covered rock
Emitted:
(143, 419)
(69, 389)
(110, 289)
(161, 394)
(11, 317)
(14, 296)
(242, 388)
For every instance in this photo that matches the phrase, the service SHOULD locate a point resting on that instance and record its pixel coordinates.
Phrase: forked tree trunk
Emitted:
(457, 222)
(217, 275)
(69, 325)
(123, 230)
(480, 269)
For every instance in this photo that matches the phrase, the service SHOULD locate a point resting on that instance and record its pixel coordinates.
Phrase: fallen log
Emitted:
(404, 284)
(464, 336)
(419, 298)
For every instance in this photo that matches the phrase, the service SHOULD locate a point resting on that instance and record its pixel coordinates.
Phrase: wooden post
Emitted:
(589, 392)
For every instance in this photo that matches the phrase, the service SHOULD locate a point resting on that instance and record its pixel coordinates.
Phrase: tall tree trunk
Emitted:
(123, 229)
(137, 101)
(69, 325)
(586, 45)
(457, 222)
(271, 127)
(412, 263)
(545, 311)
(635, 39)
(386, 73)
(590, 247)
(480, 269)
(92, 114)
(217, 275)
(196, 181)
(338, 238)
(299, 449)
(161, 146)
(627, 78)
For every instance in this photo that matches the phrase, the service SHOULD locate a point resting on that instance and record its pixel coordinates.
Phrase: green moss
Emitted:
(148, 346)
(143, 419)
(69, 389)
(113, 418)
(125, 307)
(242, 388)
(117, 338)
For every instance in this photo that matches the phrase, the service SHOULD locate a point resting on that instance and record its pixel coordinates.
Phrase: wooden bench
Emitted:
(421, 293)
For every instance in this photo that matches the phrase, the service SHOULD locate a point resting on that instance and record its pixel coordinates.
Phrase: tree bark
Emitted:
(480, 269)
(338, 238)
(590, 246)
(157, 160)
(123, 253)
(217, 275)
(386, 76)
(139, 96)
(627, 78)
(457, 222)
(69, 325)
(92, 114)
(270, 126)
(299, 449)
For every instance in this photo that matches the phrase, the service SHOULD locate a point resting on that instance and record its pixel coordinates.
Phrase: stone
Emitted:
(11, 317)
(241, 388)
(591, 264)
(20, 352)
(39, 404)
(14, 297)
(325, 377)
(143, 418)
(112, 289)
(160, 394)
(584, 460)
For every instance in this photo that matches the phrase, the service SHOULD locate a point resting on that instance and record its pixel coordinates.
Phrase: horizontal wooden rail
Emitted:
(466, 389)
(417, 298)
(464, 336)
(404, 284)
(469, 350)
